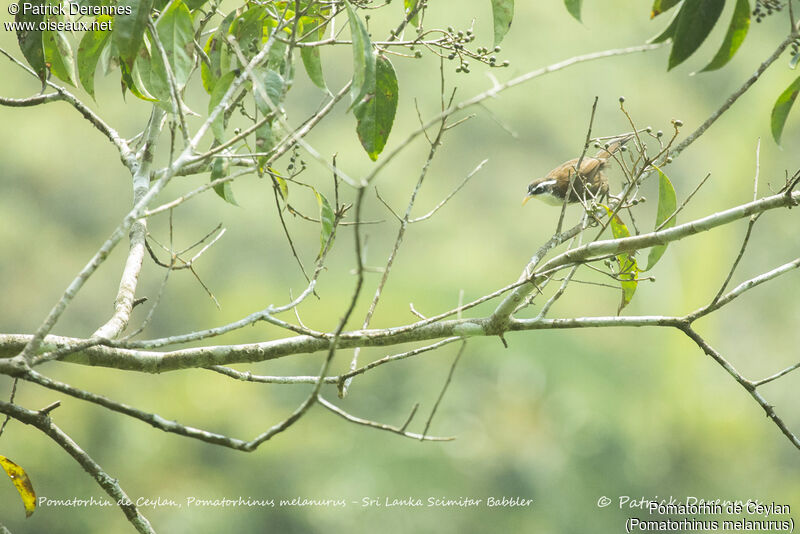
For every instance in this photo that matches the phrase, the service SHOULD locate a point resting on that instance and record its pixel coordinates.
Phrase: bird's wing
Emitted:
(590, 166)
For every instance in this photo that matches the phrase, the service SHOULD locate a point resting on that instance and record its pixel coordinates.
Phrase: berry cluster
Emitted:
(456, 39)
(294, 161)
(765, 8)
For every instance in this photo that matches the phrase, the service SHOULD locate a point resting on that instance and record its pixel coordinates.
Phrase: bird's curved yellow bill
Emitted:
(526, 199)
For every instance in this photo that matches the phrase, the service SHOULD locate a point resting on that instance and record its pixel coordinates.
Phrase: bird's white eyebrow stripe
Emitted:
(547, 182)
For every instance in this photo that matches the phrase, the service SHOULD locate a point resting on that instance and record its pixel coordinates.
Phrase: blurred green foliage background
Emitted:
(561, 417)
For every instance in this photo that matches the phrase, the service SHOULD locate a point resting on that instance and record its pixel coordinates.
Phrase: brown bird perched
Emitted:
(589, 184)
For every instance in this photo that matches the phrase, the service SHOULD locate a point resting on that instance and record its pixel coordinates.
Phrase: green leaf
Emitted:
(574, 8)
(134, 81)
(58, 53)
(408, 6)
(217, 51)
(23, 484)
(363, 57)
(273, 85)
(194, 4)
(219, 169)
(248, 30)
(29, 36)
(695, 21)
(283, 187)
(737, 31)
(782, 107)
(176, 33)
(669, 31)
(376, 112)
(326, 217)
(128, 32)
(793, 62)
(263, 141)
(218, 126)
(502, 15)
(150, 73)
(89, 50)
(628, 270)
(311, 56)
(659, 6)
(667, 204)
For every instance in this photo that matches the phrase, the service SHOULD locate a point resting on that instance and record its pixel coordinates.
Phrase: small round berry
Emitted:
(678, 123)
(506, 63)
(621, 99)
(659, 133)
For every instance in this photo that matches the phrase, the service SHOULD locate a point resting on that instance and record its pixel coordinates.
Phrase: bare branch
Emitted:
(103, 479)
(746, 384)
(359, 421)
(123, 304)
(444, 387)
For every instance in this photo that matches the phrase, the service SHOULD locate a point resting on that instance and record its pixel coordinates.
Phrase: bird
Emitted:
(589, 184)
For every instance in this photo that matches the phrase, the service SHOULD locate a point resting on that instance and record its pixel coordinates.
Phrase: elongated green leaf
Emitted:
(149, 74)
(176, 33)
(737, 31)
(89, 50)
(669, 31)
(248, 30)
(628, 270)
(283, 186)
(139, 86)
(502, 15)
(695, 21)
(667, 203)
(58, 53)
(780, 111)
(363, 57)
(23, 484)
(275, 88)
(311, 56)
(659, 6)
(376, 112)
(217, 51)
(29, 36)
(574, 8)
(128, 32)
(218, 126)
(219, 169)
(264, 142)
(326, 217)
(194, 4)
(408, 6)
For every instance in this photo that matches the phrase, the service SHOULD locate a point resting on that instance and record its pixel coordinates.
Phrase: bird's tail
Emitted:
(606, 152)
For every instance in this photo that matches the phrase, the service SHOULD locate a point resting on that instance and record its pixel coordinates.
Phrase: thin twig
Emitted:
(380, 426)
(750, 224)
(444, 388)
(577, 173)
